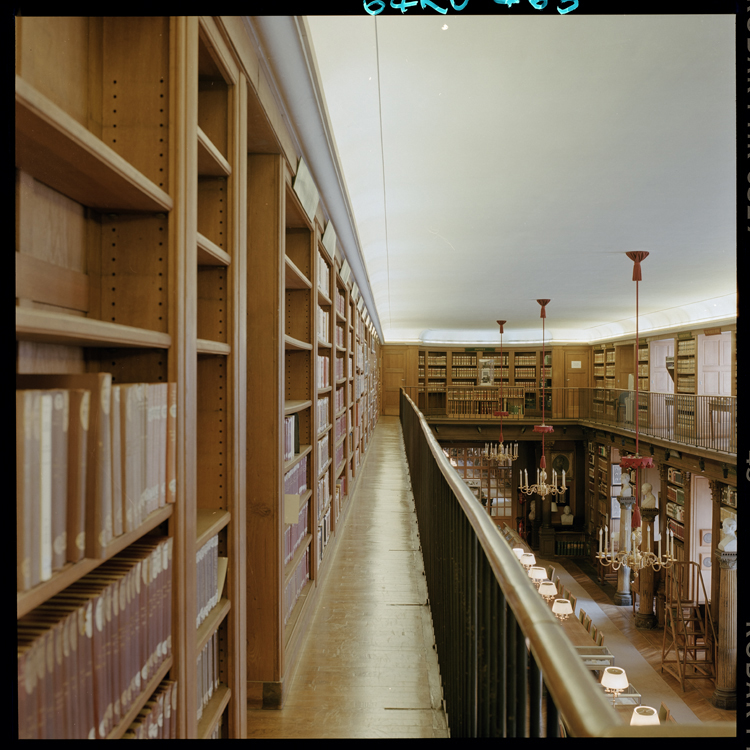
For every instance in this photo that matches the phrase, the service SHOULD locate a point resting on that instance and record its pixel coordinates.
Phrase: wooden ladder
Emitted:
(689, 643)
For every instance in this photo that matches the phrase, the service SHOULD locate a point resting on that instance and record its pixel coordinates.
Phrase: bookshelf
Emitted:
(95, 286)
(155, 246)
(304, 436)
(220, 346)
(677, 510)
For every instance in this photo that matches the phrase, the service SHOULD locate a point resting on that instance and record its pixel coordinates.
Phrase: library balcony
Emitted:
(508, 666)
(707, 423)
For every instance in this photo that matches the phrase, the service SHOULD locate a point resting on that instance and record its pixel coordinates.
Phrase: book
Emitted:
(117, 465)
(27, 448)
(171, 478)
(78, 428)
(99, 464)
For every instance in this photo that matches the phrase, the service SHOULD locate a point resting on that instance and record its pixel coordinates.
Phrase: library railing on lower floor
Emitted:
(506, 666)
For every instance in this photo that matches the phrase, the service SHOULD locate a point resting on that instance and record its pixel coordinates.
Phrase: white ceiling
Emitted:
(500, 160)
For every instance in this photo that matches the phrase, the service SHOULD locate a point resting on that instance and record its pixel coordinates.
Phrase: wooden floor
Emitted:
(368, 668)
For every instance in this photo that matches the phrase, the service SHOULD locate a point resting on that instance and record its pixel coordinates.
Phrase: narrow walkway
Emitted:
(368, 668)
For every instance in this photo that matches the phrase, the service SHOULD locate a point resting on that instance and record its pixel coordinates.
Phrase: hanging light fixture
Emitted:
(636, 559)
(541, 487)
(501, 455)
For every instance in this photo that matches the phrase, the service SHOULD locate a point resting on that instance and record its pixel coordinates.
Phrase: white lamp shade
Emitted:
(528, 559)
(643, 715)
(537, 574)
(615, 678)
(547, 588)
(518, 552)
(563, 607)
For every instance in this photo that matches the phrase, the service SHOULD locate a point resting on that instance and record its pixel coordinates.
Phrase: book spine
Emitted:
(45, 494)
(25, 466)
(172, 443)
(77, 456)
(117, 465)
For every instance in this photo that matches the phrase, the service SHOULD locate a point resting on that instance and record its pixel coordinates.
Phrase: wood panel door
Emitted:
(394, 376)
(577, 374)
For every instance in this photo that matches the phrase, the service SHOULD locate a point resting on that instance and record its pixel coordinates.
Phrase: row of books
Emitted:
(467, 360)
(207, 579)
(324, 319)
(294, 534)
(291, 436)
(324, 278)
(339, 368)
(341, 302)
(675, 475)
(686, 347)
(339, 454)
(340, 428)
(686, 366)
(207, 672)
(676, 495)
(324, 493)
(157, 720)
(437, 359)
(677, 512)
(525, 359)
(525, 372)
(86, 654)
(323, 374)
(729, 496)
(677, 529)
(295, 480)
(296, 583)
(324, 533)
(338, 400)
(340, 336)
(323, 405)
(324, 454)
(464, 372)
(93, 459)
(643, 370)
(433, 372)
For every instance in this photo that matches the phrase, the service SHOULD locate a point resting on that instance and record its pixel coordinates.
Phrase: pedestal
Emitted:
(645, 617)
(623, 597)
(725, 695)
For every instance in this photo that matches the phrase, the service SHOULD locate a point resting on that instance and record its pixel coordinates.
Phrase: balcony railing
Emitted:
(506, 665)
(700, 421)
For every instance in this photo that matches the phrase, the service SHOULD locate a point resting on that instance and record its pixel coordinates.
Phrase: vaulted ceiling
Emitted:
(489, 161)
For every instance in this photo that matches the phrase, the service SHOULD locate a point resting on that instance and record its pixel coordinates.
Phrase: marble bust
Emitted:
(567, 517)
(626, 491)
(728, 541)
(532, 511)
(649, 501)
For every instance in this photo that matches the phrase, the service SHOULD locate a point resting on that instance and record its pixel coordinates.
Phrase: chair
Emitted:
(573, 600)
(550, 571)
(594, 632)
(582, 615)
(664, 714)
(558, 584)
(587, 623)
(600, 639)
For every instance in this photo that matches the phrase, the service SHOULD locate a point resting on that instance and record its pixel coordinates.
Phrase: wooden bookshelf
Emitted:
(139, 247)
(160, 239)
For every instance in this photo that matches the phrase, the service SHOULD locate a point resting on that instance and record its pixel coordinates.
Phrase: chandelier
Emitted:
(541, 487)
(636, 559)
(500, 454)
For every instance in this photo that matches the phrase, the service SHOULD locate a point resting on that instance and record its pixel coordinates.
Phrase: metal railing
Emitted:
(505, 662)
(700, 421)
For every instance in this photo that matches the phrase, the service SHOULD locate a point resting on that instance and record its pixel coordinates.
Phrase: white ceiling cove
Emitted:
(491, 161)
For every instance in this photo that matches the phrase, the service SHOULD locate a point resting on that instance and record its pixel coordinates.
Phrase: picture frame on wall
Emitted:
(563, 461)
(705, 537)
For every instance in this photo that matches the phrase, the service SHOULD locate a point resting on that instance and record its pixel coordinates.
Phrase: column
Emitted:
(645, 617)
(725, 695)
(623, 596)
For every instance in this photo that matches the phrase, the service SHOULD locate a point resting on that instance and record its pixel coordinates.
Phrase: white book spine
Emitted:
(45, 510)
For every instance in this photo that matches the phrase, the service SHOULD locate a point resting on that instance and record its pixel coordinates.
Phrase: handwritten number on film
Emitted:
(373, 7)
